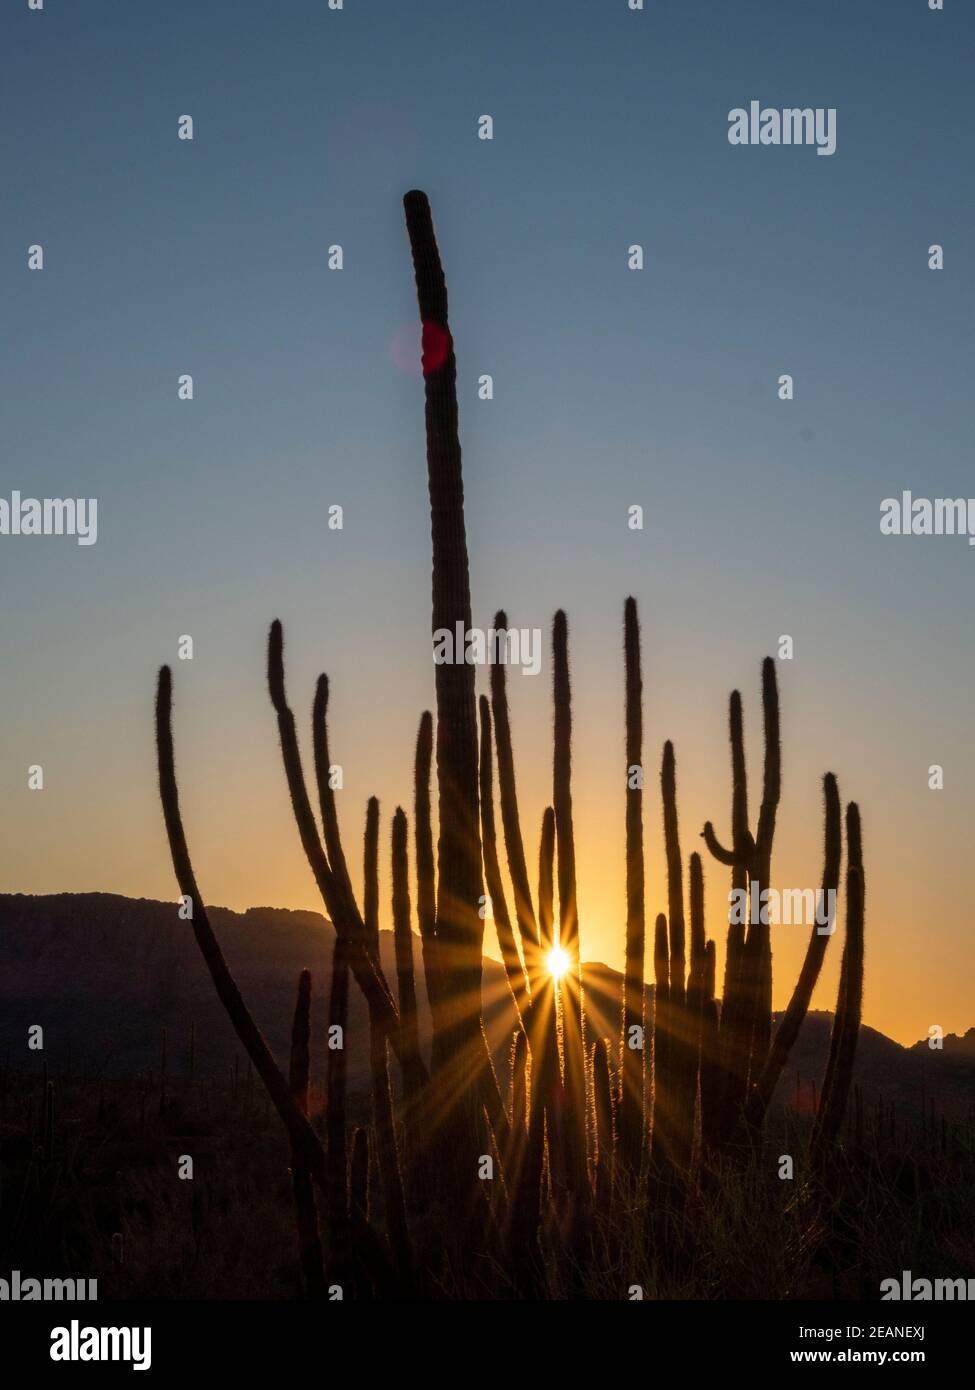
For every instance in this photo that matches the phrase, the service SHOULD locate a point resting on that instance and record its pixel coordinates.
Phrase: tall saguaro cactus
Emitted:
(460, 929)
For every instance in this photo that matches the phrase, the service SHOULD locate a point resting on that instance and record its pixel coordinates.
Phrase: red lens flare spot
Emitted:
(436, 347)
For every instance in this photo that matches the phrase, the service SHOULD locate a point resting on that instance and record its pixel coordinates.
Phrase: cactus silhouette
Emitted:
(582, 1135)
(747, 1007)
(791, 1021)
(604, 1123)
(631, 1117)
(846, 1020)
(403, 941)
(573, 1014)
(336, 1081)
(459, 927)
(514, 970)
(306, 1212)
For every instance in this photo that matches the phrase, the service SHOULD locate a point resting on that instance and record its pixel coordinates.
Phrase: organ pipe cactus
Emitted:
(332, 882)
(846, 1020)
(382, 1106)
(604, 1124)
(536, 943)
(631, 1080)
(573, 1015)
(335, 1116)
(459, 927)
(511, 822)
(514, 970)
(403, 943)
(747, 1006)
(304, 1141)
(791, 1021)
(713, 1064)
(426, 890)
(680, 1049)
(662, 1103)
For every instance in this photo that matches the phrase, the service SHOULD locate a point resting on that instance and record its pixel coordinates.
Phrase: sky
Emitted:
(612, 388)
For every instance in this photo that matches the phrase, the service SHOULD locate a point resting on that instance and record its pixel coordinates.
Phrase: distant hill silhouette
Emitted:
(103, 975)
(958, 1049)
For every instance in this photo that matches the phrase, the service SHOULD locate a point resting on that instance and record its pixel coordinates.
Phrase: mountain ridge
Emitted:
(104, 974)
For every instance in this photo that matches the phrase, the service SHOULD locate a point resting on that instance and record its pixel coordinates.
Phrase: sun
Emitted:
(558, 962)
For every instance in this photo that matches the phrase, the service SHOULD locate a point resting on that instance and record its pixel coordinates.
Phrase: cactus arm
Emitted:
(303, 1138)
(510, 818)
(715, 847)
(426, 884)
(370, 877)
(546, 877)
(426, 905)
(631, 1068)
(326, 794)
(846, 1021)
(573, 1014)
(335, 1118)
(743, 844)
(341, 909)
(603, 1122)
(661, 1116)
(791, 1021)
(698, 968)
(675, 882)
(403, 940)
(514, 970)
(387, 1149)
(306, 1213)
(772, 779)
